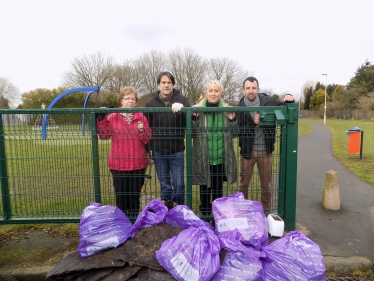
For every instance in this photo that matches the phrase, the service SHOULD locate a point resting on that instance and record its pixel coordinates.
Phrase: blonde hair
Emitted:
(212, 83)
(127, 90)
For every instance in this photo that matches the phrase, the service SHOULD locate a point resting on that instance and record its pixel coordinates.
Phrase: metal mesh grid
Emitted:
(54, 178)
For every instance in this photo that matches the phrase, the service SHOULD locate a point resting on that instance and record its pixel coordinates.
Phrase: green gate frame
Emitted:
(286, 116)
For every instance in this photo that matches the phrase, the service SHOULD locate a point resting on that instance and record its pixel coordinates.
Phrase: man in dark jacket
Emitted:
(256, 142)
(167, 144)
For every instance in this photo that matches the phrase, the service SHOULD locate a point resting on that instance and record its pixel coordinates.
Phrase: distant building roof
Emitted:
(11, 105)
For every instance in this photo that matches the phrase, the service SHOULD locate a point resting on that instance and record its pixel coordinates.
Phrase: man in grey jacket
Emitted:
(257, 142)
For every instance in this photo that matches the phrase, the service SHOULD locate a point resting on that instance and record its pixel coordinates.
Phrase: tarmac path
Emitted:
(344, 233)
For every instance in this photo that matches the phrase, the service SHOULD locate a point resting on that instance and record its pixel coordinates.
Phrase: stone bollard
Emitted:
(331, 196)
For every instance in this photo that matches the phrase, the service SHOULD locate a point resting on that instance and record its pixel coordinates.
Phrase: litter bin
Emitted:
(354, 140)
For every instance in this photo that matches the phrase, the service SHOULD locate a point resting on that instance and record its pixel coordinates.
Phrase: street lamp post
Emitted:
(324, 115)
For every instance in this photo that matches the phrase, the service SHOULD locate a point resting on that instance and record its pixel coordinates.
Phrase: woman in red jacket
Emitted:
(128, 158)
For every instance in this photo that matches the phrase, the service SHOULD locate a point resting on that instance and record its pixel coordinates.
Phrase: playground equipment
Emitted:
(90, 90)
(50, 122)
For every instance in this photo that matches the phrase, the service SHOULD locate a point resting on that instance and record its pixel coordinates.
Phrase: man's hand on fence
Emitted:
(288, 98)
(176, 107)
(256, 118)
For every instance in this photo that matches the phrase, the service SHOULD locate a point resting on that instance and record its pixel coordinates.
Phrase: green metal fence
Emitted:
(52, 175)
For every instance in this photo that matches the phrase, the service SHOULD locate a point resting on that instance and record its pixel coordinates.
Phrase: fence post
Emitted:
(189, 157)
(282, 170)
(291, 166)
(95, 158)
(4, 175)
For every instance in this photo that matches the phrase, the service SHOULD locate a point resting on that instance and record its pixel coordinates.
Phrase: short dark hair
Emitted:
(165, 73)
(251, 79)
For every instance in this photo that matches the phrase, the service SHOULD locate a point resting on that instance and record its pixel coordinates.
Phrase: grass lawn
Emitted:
(363, 168)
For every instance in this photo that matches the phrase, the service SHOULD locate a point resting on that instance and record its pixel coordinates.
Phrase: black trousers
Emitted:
(127, 188)
(208, 195)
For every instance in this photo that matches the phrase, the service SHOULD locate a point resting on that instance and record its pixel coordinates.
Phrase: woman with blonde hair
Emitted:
(214, 160)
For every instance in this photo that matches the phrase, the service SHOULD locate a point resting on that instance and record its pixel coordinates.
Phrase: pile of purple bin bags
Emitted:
(194, 254)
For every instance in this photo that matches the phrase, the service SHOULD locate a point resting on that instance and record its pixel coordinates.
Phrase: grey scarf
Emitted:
(256, 102)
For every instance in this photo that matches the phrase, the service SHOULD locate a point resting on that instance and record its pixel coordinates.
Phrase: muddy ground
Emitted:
(30, 246)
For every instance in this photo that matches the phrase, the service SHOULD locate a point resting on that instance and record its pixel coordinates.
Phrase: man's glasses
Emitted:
(128, 99)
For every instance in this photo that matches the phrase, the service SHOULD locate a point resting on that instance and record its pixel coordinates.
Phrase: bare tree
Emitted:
(308, 85)
(147, 67)
(89, 71)
(230, 74)
(124, 75)
(8, 91)
(189, 70)
(366, 102)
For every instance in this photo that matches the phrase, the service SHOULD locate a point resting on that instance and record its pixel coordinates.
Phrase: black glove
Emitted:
(100, 116)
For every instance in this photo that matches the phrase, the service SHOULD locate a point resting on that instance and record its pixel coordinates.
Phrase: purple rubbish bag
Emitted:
(294, 257)
(192, 255)
(236, 212)
(238, 266)
(153, 213)
(102, 228)
(232, 242)
(183, 216)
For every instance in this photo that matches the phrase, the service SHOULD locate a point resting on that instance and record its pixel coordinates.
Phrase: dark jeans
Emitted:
(170, 174)
(217, 177)
(127, 187)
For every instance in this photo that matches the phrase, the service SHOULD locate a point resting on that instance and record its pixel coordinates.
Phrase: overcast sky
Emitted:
(282, 43)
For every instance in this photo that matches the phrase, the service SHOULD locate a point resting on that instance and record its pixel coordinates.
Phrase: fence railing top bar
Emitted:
(141, 109)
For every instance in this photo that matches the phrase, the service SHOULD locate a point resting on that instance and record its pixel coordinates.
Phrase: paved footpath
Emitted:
(344, 233)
